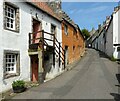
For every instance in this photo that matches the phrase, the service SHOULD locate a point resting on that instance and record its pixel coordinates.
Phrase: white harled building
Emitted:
(17, 61)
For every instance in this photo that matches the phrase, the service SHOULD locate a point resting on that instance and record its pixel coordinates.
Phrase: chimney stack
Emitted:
(58, 4)
(107, 20)
(55, 4)
(107, 17)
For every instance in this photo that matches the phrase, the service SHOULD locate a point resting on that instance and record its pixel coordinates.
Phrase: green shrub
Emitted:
(18, 83)
(113, 59)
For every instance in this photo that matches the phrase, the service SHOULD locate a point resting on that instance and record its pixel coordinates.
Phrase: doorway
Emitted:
(66, 55)
(53, 31)
(36, 28)
(34, 68)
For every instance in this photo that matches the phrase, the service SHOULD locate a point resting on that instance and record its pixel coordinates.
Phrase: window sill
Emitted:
(11, 30)
(9, 75)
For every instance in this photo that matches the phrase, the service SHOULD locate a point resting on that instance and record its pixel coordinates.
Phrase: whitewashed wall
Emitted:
(115, 28)
(19, 41)
(1, 51)
(119, 26)
(109, 40)
(116, 33)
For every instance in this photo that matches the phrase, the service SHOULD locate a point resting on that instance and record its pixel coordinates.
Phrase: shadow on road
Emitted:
(118, 77)
(103, 55)
(116, 96)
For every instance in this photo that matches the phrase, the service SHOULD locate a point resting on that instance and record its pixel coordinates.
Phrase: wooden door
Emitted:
(36, 29)
(34, 65)
(66, 55)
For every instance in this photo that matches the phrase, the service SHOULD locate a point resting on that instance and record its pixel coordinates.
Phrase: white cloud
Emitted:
(90, 10)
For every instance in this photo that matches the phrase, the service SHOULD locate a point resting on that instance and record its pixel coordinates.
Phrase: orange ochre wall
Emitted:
(73, 39)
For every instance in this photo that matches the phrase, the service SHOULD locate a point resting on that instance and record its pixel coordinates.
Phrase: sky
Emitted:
(88, 14)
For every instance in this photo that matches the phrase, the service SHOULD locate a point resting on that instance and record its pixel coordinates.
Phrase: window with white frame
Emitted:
(10, 17)
(11, 63)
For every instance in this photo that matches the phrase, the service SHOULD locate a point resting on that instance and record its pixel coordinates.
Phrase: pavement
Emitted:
(93, 77)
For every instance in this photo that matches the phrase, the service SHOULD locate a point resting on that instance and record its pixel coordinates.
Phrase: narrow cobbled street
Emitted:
(93, 77)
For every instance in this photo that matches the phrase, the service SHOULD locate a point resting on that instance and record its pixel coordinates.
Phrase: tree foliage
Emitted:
(86, 33)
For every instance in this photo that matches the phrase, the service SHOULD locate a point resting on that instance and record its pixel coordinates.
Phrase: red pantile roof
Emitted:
(44, 7)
